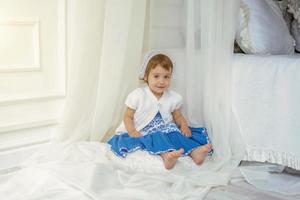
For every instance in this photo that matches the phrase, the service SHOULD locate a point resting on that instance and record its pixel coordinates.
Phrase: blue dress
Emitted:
(159, 138)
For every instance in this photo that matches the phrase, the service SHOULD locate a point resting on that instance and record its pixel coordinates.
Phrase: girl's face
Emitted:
(159, 80)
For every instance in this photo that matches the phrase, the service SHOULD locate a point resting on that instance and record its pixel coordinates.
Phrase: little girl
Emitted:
(153, 121)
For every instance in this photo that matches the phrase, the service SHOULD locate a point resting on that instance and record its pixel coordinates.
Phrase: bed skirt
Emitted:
(266, 155)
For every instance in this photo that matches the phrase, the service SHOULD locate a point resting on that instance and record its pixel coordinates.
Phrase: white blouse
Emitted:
(146, 106)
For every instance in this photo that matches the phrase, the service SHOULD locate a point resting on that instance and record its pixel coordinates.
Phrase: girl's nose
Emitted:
(161, 81)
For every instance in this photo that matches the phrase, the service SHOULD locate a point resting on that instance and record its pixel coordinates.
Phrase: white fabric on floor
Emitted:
(87, 170)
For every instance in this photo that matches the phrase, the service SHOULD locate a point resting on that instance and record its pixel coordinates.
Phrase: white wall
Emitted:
(32, 73)
(166, 24)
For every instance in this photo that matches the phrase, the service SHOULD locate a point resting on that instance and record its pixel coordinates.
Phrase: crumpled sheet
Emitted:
(89, 170)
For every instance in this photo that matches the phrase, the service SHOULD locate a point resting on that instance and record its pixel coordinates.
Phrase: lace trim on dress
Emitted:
(158, 125)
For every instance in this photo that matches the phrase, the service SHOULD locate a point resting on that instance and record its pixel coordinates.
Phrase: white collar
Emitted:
(153, 97)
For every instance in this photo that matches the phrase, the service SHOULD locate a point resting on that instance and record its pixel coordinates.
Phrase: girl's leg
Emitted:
(170, 158)
(199, 154)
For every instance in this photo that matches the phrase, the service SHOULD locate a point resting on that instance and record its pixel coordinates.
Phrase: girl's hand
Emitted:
(186, 131)
(135, 134)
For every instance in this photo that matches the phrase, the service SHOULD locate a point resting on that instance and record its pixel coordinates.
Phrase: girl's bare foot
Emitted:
(170, 158)
(198, 155)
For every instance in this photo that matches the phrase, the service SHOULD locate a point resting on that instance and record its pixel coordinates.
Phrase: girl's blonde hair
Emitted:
(158, 59)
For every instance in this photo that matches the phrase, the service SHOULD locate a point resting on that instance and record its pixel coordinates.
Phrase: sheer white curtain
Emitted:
(209, 54)
(105, 39)
(217, 21)
(203, 64)
(85, 23)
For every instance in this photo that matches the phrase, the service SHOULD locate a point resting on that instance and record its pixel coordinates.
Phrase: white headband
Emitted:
(148, 56)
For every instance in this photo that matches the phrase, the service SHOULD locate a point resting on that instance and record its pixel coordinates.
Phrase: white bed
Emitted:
(265, 104)
(266, 96)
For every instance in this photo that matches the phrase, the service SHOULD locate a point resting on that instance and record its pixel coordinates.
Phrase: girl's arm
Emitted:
(129, 124)
(182, 123)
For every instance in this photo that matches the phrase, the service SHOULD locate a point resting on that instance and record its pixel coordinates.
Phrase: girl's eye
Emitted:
(167, 77)
(156, 76)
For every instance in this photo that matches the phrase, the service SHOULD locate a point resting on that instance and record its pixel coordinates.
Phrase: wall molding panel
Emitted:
(31, 99)
(16, 136)
(27, 125)
(33, 49)
(25, 32)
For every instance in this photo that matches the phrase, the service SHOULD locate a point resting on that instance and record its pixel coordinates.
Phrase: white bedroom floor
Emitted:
(243, 190)
(239, 189)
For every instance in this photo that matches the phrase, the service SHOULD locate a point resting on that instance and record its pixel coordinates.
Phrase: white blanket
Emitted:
(89, 170)
(266, 96)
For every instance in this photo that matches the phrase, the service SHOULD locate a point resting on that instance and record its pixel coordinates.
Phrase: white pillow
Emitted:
(296, 33)
(262, 29)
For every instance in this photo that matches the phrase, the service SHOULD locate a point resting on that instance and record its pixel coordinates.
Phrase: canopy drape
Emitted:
(105, 55)
(105, 41)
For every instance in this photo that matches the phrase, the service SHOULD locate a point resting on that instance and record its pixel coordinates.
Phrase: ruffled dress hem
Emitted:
(157, 143)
